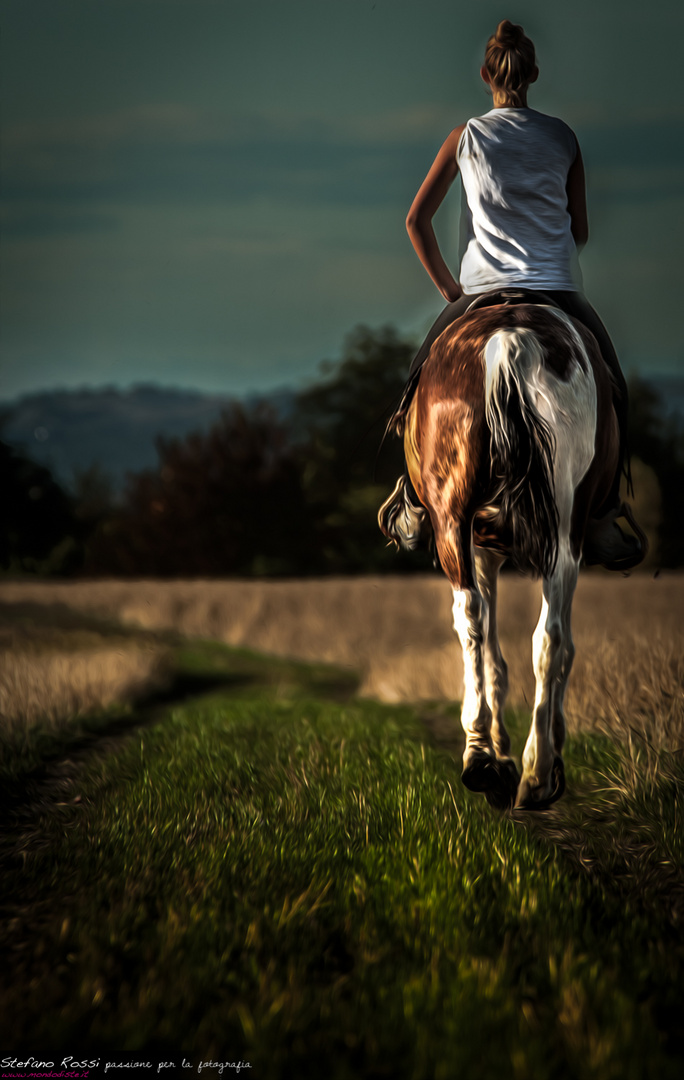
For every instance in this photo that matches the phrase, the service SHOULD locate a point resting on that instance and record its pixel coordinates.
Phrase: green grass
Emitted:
(281, 873)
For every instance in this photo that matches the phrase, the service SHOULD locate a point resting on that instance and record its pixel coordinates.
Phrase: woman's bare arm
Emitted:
(577, 201)
(432, 191)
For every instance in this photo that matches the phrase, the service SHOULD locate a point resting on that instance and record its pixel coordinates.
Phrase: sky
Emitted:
(212, 193)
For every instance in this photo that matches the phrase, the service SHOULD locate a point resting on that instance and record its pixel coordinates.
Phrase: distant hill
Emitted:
(71, 430)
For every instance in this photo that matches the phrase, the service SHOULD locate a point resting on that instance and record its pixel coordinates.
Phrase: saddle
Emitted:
(508, 297)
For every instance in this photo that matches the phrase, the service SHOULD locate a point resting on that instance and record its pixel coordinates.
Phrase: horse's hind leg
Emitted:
(567, 658)
(482, 769)
(488, 563)
(470, 623)
(543, 778)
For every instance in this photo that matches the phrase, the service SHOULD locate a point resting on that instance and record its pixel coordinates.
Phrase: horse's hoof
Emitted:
(477, 775)
(502, 795)
(529, 795)
(496, 780)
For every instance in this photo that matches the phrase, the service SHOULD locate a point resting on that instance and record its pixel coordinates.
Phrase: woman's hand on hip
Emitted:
(452, 293)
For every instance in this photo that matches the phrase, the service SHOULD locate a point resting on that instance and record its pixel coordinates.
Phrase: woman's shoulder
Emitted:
(516, 121)
(553, 122)
(455, 133)
(515, 113)
(453, 140)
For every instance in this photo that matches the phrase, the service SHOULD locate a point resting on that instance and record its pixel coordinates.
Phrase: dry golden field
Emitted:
(51, 669)
(396, 632)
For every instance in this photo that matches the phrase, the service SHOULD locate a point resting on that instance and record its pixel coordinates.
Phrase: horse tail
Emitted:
(521, 500)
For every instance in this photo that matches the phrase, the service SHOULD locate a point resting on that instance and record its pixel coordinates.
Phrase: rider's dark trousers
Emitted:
(577, 306)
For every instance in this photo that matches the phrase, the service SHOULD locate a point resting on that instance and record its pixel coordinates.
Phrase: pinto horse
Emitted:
(511, 443)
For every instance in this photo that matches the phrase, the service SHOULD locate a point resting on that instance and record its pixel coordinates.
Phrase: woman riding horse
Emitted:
(526, 218)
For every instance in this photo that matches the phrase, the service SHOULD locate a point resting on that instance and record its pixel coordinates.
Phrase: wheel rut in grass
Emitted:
(203, 670)
(35, 789)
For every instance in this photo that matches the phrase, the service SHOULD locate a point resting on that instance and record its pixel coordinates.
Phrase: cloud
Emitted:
(174, 153)
(172, 232)
(28, 224)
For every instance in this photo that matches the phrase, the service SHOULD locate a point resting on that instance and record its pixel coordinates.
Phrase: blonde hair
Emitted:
(510, 61)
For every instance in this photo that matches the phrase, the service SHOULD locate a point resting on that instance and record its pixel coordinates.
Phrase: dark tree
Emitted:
(229, 501)
(40, 531)
(659, 443)
(349, 409)
(341, 421)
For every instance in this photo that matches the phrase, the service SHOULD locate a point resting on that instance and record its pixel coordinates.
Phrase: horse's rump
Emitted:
(502, 431)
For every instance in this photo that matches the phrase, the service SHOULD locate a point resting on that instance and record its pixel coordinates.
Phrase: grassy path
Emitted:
(279, 872)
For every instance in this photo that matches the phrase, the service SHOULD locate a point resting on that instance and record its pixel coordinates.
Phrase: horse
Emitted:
(511, 443)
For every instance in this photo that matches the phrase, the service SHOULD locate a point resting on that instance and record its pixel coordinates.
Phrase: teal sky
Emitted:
(211, 193)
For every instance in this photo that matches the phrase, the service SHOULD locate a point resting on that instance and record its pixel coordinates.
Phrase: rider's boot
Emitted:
(605, 543)
(403, 518)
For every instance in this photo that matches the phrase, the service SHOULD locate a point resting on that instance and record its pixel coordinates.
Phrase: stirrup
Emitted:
(401, 520)
(610, 547)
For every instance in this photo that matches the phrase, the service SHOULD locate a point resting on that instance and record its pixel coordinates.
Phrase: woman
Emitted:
(526, 219)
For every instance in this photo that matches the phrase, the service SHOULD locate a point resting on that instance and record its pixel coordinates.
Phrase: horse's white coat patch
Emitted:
(470, 623)
(568, 407)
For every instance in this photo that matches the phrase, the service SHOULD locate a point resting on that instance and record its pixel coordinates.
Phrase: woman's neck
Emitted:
(503, 101)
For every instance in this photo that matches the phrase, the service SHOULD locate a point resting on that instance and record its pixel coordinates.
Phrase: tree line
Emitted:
(259, 495)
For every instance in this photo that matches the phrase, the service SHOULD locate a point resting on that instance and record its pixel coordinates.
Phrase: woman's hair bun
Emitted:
(509, 34)
(510, 62)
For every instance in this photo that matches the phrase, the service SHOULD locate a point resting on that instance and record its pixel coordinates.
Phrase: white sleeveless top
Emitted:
(515, 227)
